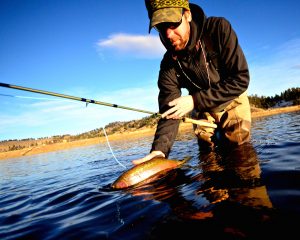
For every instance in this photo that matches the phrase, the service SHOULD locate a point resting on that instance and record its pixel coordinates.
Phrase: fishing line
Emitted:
(119, 214)
(6, 95)
(36, 98)
(39, 98)
(111, 149)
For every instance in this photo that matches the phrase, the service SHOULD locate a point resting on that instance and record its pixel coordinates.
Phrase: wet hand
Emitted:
(179, 107)
(153, 154)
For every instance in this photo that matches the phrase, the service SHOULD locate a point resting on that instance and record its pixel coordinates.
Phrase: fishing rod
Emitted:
(87, 101)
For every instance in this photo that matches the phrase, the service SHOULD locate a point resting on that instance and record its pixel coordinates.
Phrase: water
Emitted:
(249, 193)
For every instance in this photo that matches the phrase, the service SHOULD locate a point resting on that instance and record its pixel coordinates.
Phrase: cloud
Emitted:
(276, 72)
(139, 46)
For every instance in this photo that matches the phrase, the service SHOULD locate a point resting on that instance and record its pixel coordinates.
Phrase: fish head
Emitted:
(120, 184)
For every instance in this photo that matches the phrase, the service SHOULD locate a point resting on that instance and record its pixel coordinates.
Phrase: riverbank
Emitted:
(128, 135)
(272, 111)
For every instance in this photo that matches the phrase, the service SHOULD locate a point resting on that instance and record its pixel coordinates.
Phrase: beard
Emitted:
(177, 47)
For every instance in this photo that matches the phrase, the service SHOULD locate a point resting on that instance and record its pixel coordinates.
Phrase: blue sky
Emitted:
(101, 50)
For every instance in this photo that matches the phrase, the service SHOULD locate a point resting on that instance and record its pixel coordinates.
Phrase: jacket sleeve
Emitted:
(167, 129)
(233, 70)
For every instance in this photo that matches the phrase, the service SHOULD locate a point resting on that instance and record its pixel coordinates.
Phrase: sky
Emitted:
(101, 50)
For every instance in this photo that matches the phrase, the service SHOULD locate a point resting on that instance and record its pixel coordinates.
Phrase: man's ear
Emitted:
(188, 15)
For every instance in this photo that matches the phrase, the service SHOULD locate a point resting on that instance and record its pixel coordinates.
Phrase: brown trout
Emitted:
(146, 170)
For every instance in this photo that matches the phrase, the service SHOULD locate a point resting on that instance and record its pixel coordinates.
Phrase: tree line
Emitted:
(291, 95)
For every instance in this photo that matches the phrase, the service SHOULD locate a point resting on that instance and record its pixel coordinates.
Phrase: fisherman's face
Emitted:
(175, 35)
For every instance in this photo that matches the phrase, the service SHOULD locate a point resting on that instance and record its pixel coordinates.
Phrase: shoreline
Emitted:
(120, 136)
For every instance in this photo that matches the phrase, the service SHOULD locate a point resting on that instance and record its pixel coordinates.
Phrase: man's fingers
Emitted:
(173, 103)
(175, 115)
(179, 107)
(148, 157)
(170, 111)
(178, 114)
(138, 161)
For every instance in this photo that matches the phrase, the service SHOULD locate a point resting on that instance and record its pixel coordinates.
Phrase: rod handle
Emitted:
(203, 123)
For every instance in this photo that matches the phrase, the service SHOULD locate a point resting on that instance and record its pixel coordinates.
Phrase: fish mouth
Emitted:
(119, 185)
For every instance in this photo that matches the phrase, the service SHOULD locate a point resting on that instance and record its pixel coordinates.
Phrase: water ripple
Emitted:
(67, 195)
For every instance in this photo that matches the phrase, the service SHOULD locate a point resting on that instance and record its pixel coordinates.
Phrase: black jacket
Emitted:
(212, 88)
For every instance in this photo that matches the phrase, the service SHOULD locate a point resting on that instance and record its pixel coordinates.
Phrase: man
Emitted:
(203, 55)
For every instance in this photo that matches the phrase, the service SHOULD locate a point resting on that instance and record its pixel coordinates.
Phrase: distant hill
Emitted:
(111, 128)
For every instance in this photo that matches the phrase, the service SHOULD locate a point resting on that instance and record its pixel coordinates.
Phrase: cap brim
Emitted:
(165, 15)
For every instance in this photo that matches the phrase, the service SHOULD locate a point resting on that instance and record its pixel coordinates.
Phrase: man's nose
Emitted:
(169, 33)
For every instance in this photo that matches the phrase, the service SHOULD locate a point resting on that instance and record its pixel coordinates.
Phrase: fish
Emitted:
(146, 170)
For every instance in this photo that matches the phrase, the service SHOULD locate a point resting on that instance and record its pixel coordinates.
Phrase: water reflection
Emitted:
(226, 190)
(234, 175)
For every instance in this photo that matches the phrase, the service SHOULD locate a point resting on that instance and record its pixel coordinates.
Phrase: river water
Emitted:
(251, 192)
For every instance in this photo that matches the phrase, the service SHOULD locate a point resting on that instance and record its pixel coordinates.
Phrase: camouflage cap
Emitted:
(165, 11)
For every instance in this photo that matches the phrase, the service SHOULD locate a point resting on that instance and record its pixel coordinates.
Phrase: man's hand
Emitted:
(149, 157)
(180, 107)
